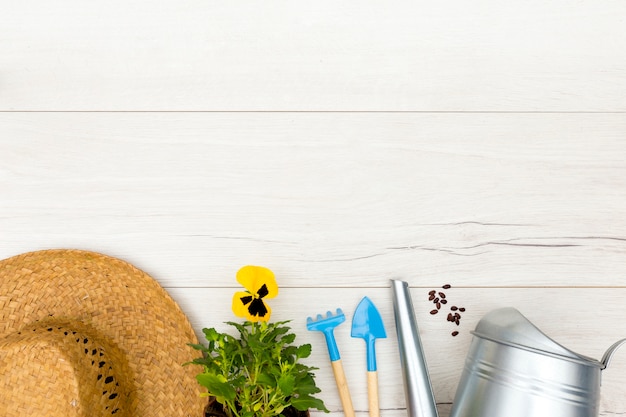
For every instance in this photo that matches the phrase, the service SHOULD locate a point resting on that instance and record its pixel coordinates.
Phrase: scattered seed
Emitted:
(439, 299)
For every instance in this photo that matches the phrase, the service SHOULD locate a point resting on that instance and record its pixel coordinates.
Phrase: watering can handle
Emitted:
(606, 358)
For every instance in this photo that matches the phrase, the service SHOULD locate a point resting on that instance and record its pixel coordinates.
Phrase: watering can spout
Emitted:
(420, 401)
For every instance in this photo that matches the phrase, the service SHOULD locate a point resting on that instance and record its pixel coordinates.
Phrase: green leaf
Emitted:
(303, 351)
(306, 402)
(211, 334)
(217, 385)
(286, 383)
(199, 361)
(306, 385)
(289, 353)
(197, 346)
(288, 339)
(265, 380)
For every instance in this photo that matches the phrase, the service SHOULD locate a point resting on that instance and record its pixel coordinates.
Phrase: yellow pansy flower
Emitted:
(260, 284)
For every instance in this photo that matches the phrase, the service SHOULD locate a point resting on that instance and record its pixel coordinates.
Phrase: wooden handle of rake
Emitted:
(342, 387)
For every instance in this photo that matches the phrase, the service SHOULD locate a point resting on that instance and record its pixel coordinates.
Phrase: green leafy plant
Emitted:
(258, 373)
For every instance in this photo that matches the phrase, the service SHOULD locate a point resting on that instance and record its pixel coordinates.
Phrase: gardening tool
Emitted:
(327, 325)
(420, 401)
(514, 369)
(368, 325)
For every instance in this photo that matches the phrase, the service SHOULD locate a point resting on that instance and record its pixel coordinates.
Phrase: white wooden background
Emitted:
(479, 144)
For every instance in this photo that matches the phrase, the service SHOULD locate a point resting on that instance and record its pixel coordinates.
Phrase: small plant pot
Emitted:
(214, 409)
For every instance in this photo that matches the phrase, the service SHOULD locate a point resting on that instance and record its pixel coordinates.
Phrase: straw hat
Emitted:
(83, 334)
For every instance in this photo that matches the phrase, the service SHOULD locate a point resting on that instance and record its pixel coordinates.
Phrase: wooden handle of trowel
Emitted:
(372, 393)
(342, 387)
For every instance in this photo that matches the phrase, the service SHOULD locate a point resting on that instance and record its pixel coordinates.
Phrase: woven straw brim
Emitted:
(83, 334)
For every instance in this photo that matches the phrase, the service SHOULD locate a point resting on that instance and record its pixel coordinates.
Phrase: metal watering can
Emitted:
(512, 369)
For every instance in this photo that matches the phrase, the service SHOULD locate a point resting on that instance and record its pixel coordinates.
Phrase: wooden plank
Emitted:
(327, 200)
(584, 320)
(407, 56)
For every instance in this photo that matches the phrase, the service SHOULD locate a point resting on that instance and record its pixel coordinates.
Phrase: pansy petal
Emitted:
(253, 278)
(257, 308)
(257, 317)
(241, 301)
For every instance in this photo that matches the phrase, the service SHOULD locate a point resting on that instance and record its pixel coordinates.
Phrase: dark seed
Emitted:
(454, 308)
(462, 309)
(454, 333)
(444, 301)
(436, 300)
(450, 317)
(432, 292)
(438, 306)
(434, 311)
(431, 297)
(447, 286)
(108, 380)
(112, 396)
(442, 295)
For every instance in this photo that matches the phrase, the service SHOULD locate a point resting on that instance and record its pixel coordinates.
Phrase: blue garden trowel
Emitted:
(368, 325)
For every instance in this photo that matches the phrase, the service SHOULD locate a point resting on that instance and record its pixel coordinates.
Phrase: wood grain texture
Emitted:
(327, 200)
(479, 144)
(409, 55)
